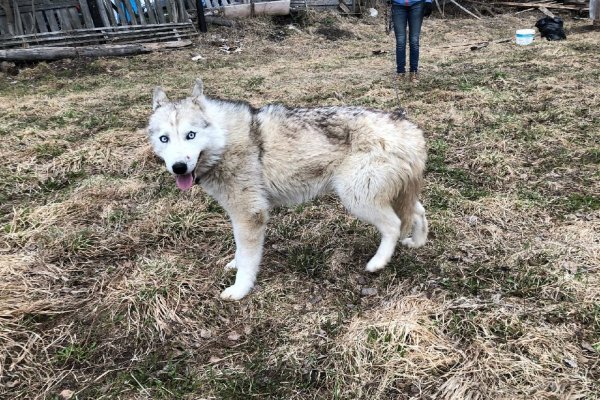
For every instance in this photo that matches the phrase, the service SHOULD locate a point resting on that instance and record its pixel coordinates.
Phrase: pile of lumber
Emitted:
(475, 7)
(573, 5)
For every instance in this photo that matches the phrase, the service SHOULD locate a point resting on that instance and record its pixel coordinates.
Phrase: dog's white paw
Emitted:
(375, 265)
(409, 242)
(230, 265)
(235, 292)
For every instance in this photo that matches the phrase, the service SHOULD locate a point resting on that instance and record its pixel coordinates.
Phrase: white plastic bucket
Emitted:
(525, 36)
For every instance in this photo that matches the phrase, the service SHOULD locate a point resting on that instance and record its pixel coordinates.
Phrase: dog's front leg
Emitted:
(249, 233)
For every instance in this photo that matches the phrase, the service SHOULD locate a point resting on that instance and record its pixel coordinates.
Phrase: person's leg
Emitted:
(415, 20)
(399, 17)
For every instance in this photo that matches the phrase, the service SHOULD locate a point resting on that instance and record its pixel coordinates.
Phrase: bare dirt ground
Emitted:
(109, 276)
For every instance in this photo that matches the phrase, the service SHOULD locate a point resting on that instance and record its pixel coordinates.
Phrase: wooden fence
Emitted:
(27, 23)
(82, 22)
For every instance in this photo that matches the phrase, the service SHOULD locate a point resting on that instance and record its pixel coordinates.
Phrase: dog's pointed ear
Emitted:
(198, 91)
(159, 98)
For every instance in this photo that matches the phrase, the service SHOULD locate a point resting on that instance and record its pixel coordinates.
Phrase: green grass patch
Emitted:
(307, 260)
(254, 82)
(48, 151)
(60, 183)
(75, 353)
(581, 202)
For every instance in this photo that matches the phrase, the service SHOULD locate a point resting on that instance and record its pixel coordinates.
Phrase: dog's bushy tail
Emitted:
(412, 214)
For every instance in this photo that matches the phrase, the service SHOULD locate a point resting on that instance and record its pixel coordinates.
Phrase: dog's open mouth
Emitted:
(186, 181)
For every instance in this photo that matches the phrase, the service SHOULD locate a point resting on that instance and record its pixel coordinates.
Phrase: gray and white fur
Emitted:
(251, 160)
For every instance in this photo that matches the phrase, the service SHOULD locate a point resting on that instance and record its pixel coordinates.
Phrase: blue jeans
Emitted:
(413, 15)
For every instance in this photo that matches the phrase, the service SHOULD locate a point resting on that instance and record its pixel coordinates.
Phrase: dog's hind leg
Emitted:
(388, 224)
(231, 265)
(411, 213)
(249, 233)
(419, 228)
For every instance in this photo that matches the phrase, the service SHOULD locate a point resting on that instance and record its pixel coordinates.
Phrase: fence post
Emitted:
(102, 12)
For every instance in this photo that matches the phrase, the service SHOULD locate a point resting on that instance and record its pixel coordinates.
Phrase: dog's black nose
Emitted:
(180, 168)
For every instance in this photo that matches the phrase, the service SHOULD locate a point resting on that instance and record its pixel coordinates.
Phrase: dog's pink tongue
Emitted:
(184, 182)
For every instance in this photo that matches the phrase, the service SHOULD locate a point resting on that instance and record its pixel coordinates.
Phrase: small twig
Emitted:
(437, 4)
(221, 359)
(486, 44)
(524, 11)
(464, 9)
(107, 372)
(476, 10)
(141, 387)
(546, 11)
(478, 43)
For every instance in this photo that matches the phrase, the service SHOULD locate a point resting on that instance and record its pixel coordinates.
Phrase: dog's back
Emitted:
(308, 151)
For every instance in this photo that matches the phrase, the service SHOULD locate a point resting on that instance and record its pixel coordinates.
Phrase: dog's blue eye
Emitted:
(191, 135)
(164, 139)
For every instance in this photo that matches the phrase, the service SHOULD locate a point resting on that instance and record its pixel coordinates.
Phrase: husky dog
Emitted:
(251, 160)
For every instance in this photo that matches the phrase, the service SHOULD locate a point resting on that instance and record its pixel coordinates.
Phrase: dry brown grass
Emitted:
(110, 276)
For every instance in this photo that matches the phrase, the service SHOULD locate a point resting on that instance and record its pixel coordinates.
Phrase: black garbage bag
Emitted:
(551, 28)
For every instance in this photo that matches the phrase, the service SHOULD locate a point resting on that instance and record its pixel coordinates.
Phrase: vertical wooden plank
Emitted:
(28, 23)
(595, 11)
(25, 23)
(121, 12)
(170, 15)
(3, 26)
(160, 14)
(18, 22)
(183, 15)
(110, 11)
(151, 13)
(132, 19)
(62, 25)
(31, 17)
(87, 16)
(176, 11)
(51, 17)
(65, 20)
(41, 22)
(74, 18)
(189, 6)
(140, 9)
(8, 20)
(103, 14)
